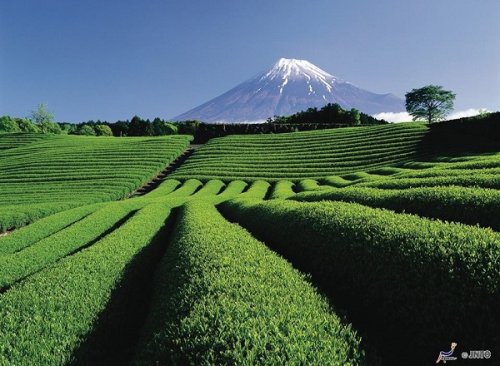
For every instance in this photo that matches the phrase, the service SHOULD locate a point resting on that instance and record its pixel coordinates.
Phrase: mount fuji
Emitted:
(288, 87)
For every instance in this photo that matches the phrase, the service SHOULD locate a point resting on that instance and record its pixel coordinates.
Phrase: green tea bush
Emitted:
(42, 176)
(407, 279)
(43, 228)
(467, 205)
(187, 189)
(309, 185)
(304, 155)
(233, 189)
(257, 190)
(23, 263)
(165, 188)
(222, 298)
(211, 188)
(47, 318)
(282, 189)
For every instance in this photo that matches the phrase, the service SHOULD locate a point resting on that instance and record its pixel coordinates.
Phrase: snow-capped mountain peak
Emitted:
(289, 86)
(293, 69)
(286, 68)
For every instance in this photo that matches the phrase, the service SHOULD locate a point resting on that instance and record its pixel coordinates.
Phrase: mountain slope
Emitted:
(289, 87)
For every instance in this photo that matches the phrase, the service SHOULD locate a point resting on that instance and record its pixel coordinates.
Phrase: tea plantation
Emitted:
(43, 174)
(353, 246)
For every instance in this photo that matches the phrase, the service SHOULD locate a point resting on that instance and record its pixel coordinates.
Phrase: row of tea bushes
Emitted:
(430, 280)
(46, 319)
(298, 156)
(222, 298)
(467, 205)
(56, 173)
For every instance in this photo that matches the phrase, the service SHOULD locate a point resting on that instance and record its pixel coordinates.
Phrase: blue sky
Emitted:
(112, 59)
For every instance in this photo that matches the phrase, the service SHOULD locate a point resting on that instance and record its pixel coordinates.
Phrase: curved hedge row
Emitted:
(296, 156)
(282, 189)
(222, 298)
(43, 228)
(21, 264)
(46, 319)
(467, 205)
(13, 140)
(44, 176)
(407, 279)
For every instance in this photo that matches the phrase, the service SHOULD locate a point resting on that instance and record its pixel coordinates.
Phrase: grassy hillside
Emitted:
(400, 236)
(312, 154)
(13, 140)
(41, 174)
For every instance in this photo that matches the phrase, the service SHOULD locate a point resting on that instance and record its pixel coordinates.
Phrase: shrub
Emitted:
(46, 319)
(222, 298)
(407, 279)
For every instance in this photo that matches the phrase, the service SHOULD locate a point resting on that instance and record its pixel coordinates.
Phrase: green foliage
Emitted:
(50, 127)
(233, 189)
(55, 173)
(257, 190)
(431, 103)
(8, 124)
(45, 120)
(222, 298)
(86, 130)
(103, 130)
(43, 228)
(39, 255)
(45, 319)
(467, 205)
(41, 115)
(405, 278)
(309, 185)
(282, 189)
(162, 128)
(26, 125)
(336, 181)
(304, 155)
(211, 188)
(140, 127)
(355, 117)
(187, 189)
(482, 179)
(166, 187)
(74, 284)
(469, 134)
(16, 214)
(329, 114)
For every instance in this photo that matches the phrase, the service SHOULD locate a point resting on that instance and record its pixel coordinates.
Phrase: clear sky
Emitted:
(112, 59)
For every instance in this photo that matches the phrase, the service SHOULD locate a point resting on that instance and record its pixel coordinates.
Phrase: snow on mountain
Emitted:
(288, 87)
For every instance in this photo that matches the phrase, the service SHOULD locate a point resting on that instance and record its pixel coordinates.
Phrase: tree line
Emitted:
(330, 116)
(332, 113)
(431, 103)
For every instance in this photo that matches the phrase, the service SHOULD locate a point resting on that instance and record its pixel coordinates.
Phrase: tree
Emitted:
(431, 103)
(41, 115)
(50, 127)
(120, 128)
(103, 130)
(161, 128)
(26, 125)
(354, 117)
(45, 120)
(86, 130)
(140, 127)
(8, 124)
